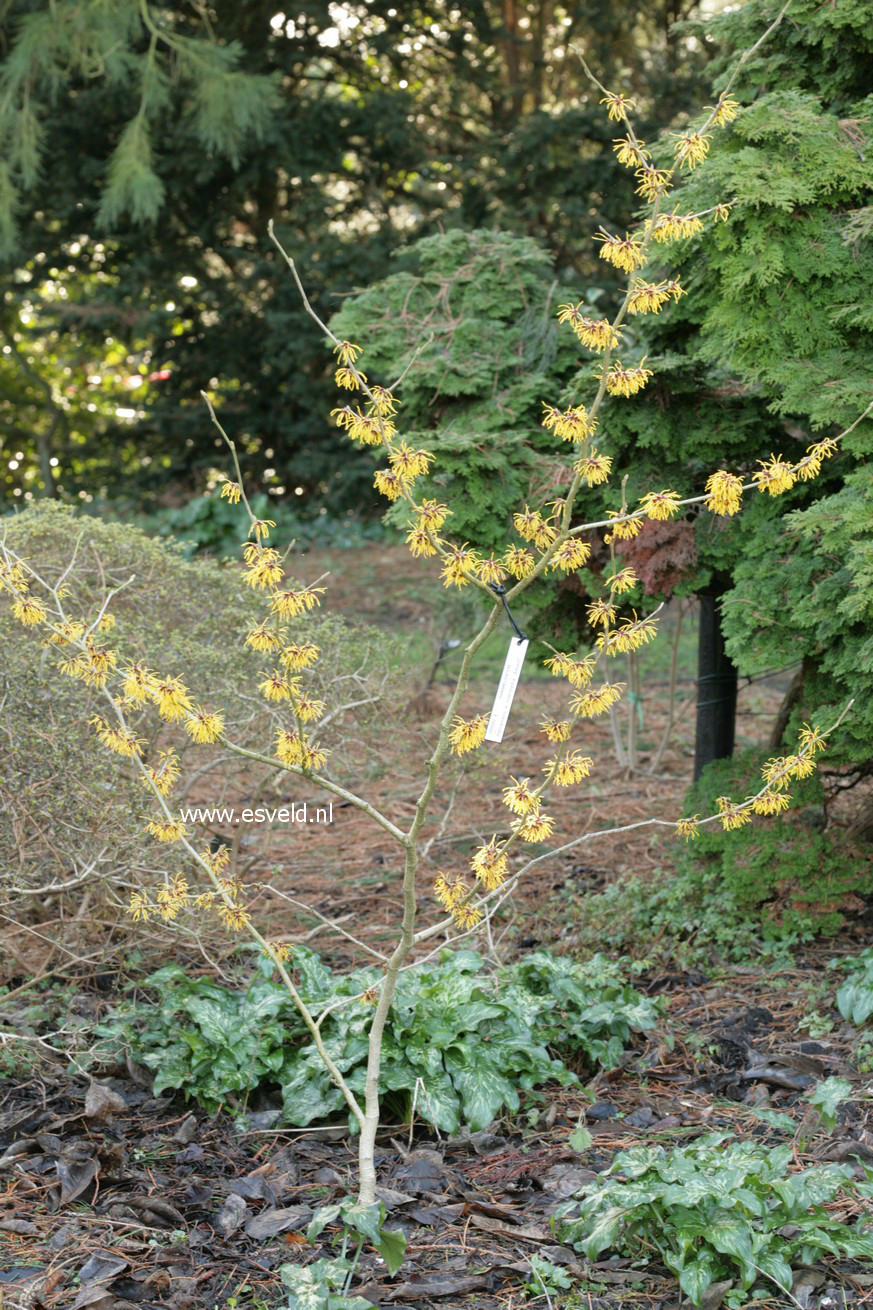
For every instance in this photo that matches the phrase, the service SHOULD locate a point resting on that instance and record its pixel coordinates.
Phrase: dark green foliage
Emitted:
(717, 1209)
(354, 138)
(773, 346)
(480, 308)
(733, 895)
(460, 1042)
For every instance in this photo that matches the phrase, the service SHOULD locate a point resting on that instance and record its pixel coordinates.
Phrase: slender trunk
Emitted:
(789, 701)
(716, 686)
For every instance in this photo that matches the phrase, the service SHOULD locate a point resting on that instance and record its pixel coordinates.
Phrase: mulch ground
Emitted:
(115, 1199)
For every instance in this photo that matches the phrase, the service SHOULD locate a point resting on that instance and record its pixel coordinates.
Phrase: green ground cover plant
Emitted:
(461, 1041)
(718, 1209)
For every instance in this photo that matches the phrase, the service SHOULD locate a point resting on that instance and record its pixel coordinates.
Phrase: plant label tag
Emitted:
(506, 689)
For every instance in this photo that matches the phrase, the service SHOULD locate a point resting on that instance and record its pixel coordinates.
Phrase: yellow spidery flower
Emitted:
(771, 802)
(300, 656)
(600, 611)
(138, 907)
(118, 739)
(382, 403)
(293, 749)
(661, 505)
(231, 491)
(589, 704)
(652, 183)
(29, 610)
(577, 672)
(76, 666)
(276, 687)
(622, 381)
(811, 740)
(775, 772)
(625, 531)
(555, 729)
(732, 816)
(346, 352)
(263, 638)
(675, 227)
(569, 556)
(724, 492)
(289, 604)
(217, 860)
(571, 424)
(491, 570)
(166, 829)
(626, 254)
(534, 827)
(138, 685)
(260, 528)
(489, 864)
(594, 468)
(595, 333)
(467, 735)
(519, 562)
(13, 577)
(234, 917)
(410, 463)
(810, 466)
(467, 916)
(98, 664)
(632, 154)
(172, 699)
(725, 111)
(107, 623)
(569, 770)
(450, 892)
(307, 708)
(164, 774)
(172, 896)
(264, 569)
(520, 797)
(617, 105)
(650, 297)
(349, 379)
(775, 475)
(71, 630)
(365, 429)
(624, 580)
(419, 541)
(691, 149)
(390, 483)
(630, 635)
(688, 828)
(800, 766)
(460, 566)
(432, 514)
(203, 727)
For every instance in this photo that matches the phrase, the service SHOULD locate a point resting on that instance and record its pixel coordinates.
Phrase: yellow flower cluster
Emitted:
(594, 468)
(118, 739)
(650, 297)
(595, 333)
(622, 381)
(555, 729)
(675, 227)
(589, 704)
(567, 770)
(631, 634)
(531, 526)
(296, 750)
(577, 672)
(724, 492)
(569, 556)
(467, 734)
(571, 424)
(661, 505)
(625, 253)
(489, 864)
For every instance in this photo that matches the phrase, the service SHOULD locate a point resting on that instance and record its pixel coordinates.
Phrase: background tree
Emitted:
(359, 128)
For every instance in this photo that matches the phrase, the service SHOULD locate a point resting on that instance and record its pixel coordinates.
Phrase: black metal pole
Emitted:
(716, 687)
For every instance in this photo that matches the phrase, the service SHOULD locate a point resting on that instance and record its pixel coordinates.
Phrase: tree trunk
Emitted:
(716, 687)
(786, 709)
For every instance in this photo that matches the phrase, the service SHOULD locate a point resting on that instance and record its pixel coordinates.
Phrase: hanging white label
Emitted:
(506, 689)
